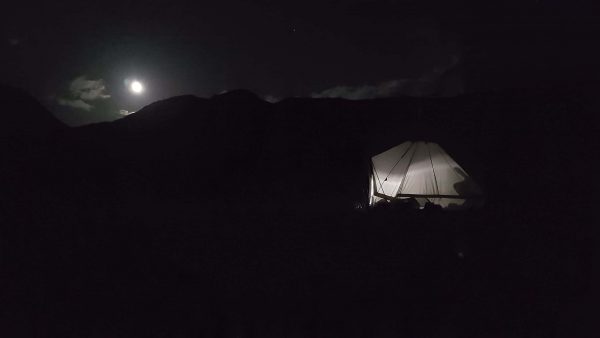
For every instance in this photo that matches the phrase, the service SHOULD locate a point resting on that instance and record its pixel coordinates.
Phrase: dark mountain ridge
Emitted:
(319, 142)
(232, 213)
(22, 116)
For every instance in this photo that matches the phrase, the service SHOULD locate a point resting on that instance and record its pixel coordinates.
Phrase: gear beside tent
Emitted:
(424, 172)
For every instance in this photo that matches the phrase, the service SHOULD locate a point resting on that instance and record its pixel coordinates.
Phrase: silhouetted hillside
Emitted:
(23, 117)
(235, 146)
(232, 216)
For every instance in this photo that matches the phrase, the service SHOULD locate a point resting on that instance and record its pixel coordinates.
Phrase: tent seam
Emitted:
(400, 159)
(407, 168)
(437, 189)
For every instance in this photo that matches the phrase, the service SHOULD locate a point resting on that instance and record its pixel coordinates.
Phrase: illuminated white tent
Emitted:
(423, 171)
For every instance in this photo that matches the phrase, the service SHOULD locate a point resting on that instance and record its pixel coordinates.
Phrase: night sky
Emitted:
(77, 57)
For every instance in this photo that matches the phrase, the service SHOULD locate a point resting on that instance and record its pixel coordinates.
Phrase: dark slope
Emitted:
(23, 117)
(235, 145)
(27, 132)
(25, 124)
(184, 147)
(232, 216)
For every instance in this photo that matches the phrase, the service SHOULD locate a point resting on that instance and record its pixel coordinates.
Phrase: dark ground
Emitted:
(233, 217)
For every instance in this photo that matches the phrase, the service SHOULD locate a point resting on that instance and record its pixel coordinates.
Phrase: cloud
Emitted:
(82, 91)
(383, 89)
(88, 90)
(272, 98)
(442, 80)
(78, 104)
(125, 112)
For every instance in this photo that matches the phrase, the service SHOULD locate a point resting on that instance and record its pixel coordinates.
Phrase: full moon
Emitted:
(136, 87)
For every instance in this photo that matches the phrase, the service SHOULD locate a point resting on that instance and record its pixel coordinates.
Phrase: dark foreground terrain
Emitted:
(233, 217)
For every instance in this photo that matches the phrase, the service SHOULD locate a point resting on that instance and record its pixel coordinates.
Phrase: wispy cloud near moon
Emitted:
(77, 104)
(82, 91)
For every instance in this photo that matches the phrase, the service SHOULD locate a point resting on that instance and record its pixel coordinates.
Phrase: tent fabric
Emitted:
(424, 171)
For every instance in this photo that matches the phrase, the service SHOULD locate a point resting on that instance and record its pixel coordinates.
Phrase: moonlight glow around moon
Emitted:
(136, 87)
